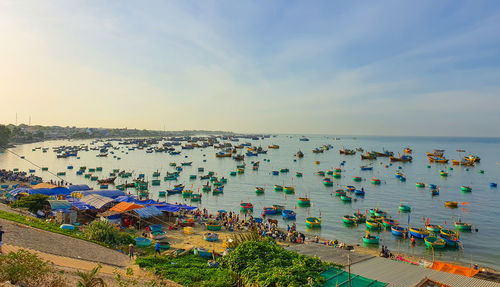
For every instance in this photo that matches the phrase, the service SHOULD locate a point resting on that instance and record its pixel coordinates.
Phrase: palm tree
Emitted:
(89, 279)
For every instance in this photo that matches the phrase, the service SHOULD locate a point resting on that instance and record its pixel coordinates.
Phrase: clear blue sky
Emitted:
(336, 67)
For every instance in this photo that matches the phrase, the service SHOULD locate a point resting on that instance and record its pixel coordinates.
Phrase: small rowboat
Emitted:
(375, 181)
(370, 239)
(443, 173)
(298, 174)
(349, 219)
(278, 188)
(162, 193)
(268, 211)
(398, 174)
(359, 192)
(434, 228)
(379, 213)
(213, 225)
(196, 197)
(218, 190)
(158, 235)
(345, 198)
(449, 233)
(432, 186)
(366, 168)
(360, 218)
(211, 237)
(321, 173)
(327, 182)
(356, 179)
(451, 204)
(288, 214)
(340, 192)
(246, 207)
(372, 211)
(289, 189)
(466, 188)
(372, 224)
(451, 241)
(420, 184)
(304, 201)
(337, 175)
(387, 222)
(259, 190)
(434, 242)
(313, 222)
(435, 191)
(419, 232)
(404, 208)
(462, 226)
(350, 188)
(187, 193)
(279, 208)
(399, 231)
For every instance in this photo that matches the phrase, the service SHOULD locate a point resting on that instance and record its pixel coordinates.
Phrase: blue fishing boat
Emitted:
(399, 231)
(451, 241)
(419, 232)
(288, 214)
(366, 168)
(359, 192)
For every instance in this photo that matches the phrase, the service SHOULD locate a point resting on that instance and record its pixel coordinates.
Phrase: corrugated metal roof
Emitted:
(403, 274)
(96, 200)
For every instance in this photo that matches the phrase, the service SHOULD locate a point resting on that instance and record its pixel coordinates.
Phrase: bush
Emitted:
(105, 232)
(25, 268)
(265, 263)
(188, 270)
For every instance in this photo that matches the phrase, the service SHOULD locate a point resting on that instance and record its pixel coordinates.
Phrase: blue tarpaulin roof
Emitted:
(174, 207)
(46, 191)
(148, 211)
(79, 187)
(108, 193)
(161, 206)
(75, 202)
(59, 204)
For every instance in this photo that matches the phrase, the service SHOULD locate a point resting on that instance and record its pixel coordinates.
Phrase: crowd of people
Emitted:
(15, 176)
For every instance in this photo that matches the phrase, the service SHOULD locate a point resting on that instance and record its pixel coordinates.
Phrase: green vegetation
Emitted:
(90, 279)
(27, 269)
(33, 202)
(253, 263)
(4, 135)
(188, 270)
(105, 232)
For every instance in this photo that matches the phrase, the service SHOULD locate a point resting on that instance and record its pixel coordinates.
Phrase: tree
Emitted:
(4, 135)
(33, 203)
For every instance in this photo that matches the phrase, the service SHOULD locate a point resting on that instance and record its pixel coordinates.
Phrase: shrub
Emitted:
(33, 202)
(105, 232)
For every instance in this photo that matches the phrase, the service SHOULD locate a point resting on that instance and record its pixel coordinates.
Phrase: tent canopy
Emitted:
(96, 200)
(113, 193)
(44, 185)
(148, 211)
(46, 191)
(59, 204)
(79, 187)
(125, 206)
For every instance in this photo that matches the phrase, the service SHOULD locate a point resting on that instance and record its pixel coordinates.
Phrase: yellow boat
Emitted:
(450, 203)
(313, 222)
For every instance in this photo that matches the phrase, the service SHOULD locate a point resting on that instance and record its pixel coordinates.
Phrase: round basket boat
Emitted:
(211, 237)
(213, 226)
(142, 242)
(370, 239)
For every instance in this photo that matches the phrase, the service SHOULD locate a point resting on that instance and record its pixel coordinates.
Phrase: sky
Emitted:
(429, 68)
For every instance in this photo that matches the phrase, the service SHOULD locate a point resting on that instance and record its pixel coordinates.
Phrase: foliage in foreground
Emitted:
(188, 270)
(37, 223)
(27, 269)
(265, 263)
(103, 231)
(33, 202)
(90, 279)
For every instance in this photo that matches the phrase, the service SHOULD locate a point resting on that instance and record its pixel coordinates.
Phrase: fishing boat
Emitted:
(437, 159)
(187, 193)
(279, 208)
(298, 174)
(223, 154)
(186, 163)
(451, 204)
(327, 181)
(472, 158)
(303, 201)
(404, 208)
(451, 241)
(321, 173)
(347, 151)
(364, 167)
(349, 219)
(278, 188)
(375, 211)
(408, 150)
(372, 224)
(268, 211)
(418, 232)
(420, 184)
(443, 173)
(340, 192)
(434, 191)
(350, 188)
(196, 197)
(273, 146)
(206, 187)
(462, 226)
(288, 214)
(239, 157)
(433, 228)
(404, 158)
(356, 178)
(399, 231)
(157, 235)
(466, 188)
(162, 193)
(387, 222)
(360, 218)
(359, 192)
(337, 175)
(385, 153)
(436, 153)
(155, 182)
(375, 181)
(213, 225)
(246, 207)
(313, 222)
(300, 154)
(449, 233)
(210, 237)
(289, 189)
(434, 242)
(370, 239)
(345, 198)
(370, 156)
(259, 190)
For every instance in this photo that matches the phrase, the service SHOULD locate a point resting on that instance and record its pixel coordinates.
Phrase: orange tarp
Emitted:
(43, 185)
(454, 269)
(125, 206)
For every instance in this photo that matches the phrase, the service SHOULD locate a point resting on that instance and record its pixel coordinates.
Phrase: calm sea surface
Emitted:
(483, 211)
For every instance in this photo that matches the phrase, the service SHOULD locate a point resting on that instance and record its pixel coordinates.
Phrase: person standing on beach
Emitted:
(1, 234)
(131, 251)
(157, 248)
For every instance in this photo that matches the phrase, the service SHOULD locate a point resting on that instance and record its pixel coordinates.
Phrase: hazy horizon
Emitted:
(391, 68)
